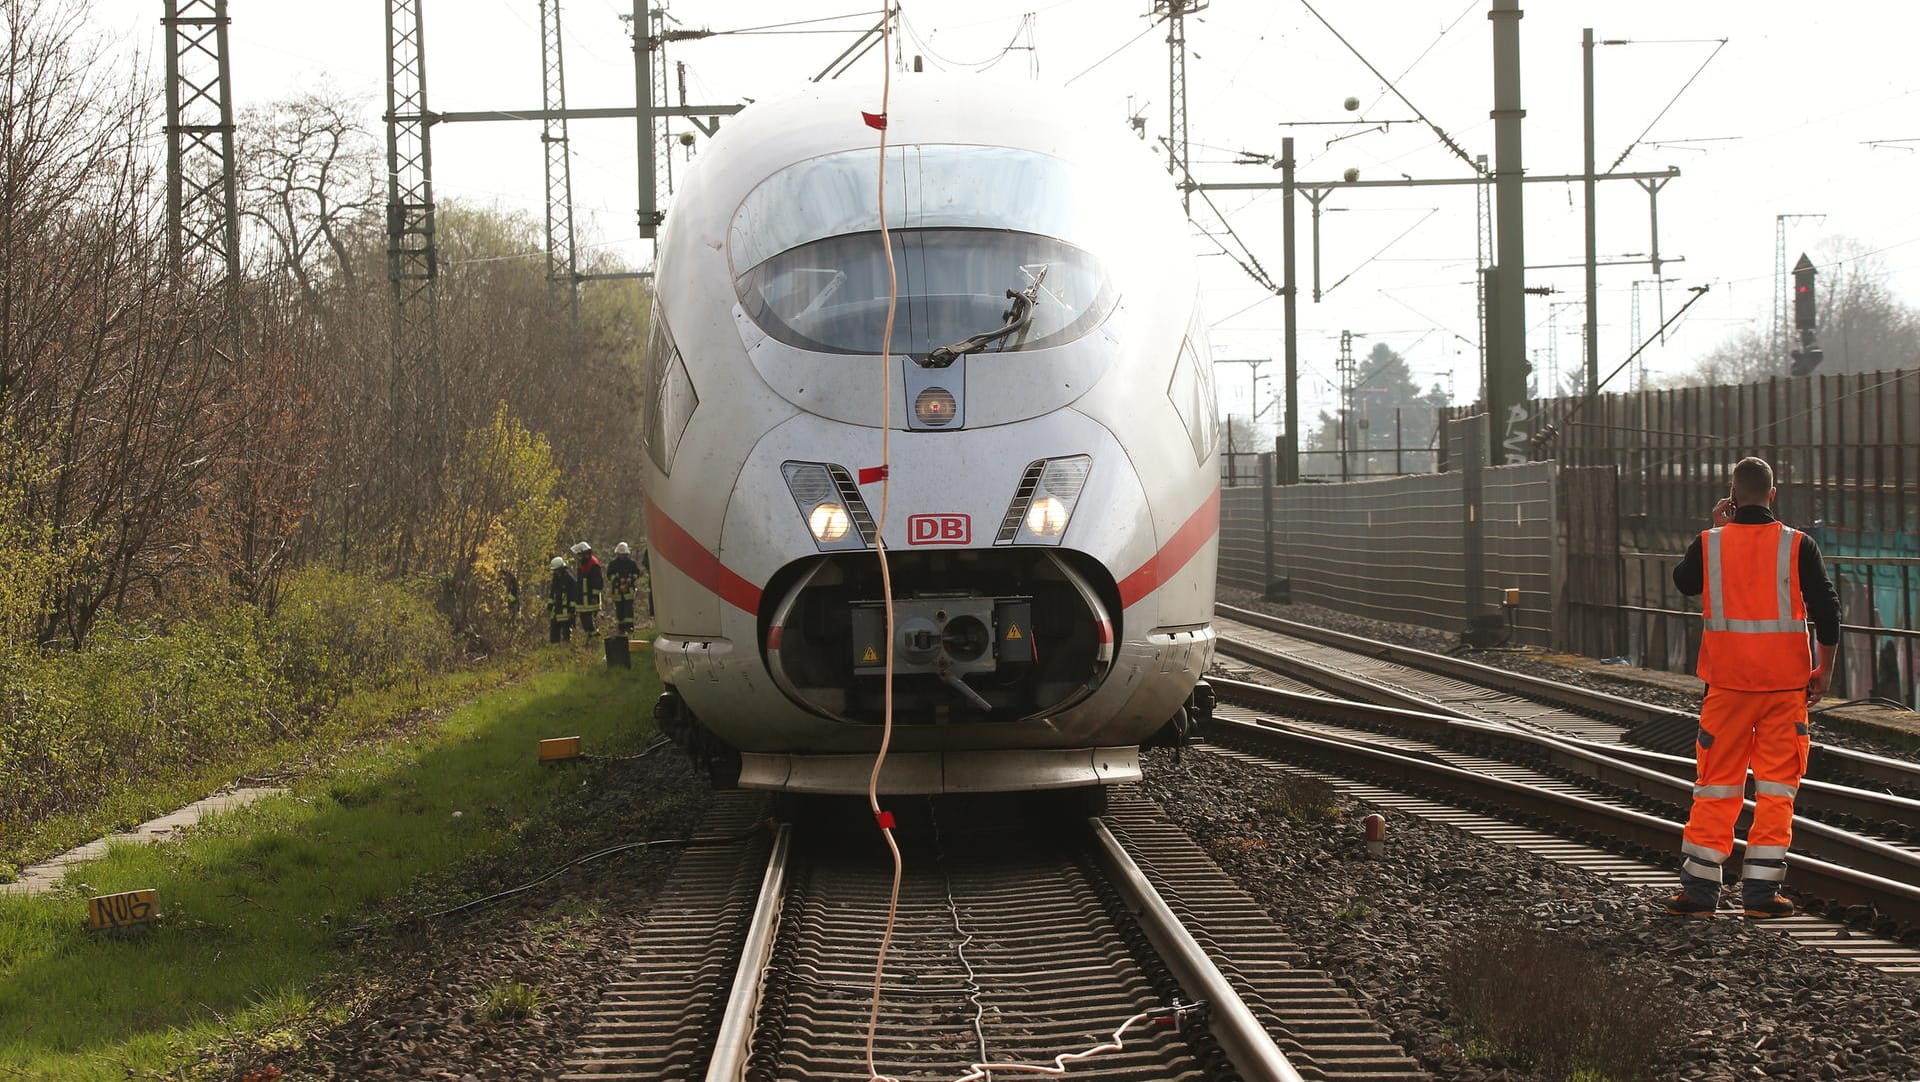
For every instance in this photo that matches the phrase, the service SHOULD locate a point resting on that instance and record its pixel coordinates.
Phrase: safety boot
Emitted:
(1765, 906)
(1698, 898)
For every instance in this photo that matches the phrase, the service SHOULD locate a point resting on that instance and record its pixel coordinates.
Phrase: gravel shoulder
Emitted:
(1751, 1003)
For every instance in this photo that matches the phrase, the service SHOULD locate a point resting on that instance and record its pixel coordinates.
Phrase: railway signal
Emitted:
(1806, 319)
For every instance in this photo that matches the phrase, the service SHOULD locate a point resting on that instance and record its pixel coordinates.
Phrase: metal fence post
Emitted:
(1266, 517)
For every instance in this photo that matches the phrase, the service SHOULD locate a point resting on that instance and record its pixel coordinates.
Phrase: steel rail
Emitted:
(1595, 762)
(1829, 881)
(1436, 721)
(734, 1042)
(1878, 768)
(1246, 1042)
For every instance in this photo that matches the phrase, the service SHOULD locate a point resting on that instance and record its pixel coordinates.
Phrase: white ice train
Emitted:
(1054, 511)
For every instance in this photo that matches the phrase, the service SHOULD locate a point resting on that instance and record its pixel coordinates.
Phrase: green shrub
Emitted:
(140, 703)
(335, 631)
(135, 703)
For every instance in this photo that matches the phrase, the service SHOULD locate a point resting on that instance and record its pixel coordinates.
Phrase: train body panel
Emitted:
(1052, 509)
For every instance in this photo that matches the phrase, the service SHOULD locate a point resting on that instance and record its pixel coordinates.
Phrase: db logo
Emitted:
(939, 530)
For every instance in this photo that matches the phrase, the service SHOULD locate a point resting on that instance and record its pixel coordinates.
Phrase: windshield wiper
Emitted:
(1016, 318)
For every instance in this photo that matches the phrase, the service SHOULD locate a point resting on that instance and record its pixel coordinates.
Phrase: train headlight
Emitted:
(829, 522)
(1043, 505)
(1047, 517)
(830, 503)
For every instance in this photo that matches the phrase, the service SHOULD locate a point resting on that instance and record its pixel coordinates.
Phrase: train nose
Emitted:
(978, 635)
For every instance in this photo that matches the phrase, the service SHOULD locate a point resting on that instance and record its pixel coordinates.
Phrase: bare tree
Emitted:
(1863, 327)
(308, 177)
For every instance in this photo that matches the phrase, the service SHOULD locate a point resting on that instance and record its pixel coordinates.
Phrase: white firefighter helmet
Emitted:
(580, 547)
(557, 562)
(621, 549)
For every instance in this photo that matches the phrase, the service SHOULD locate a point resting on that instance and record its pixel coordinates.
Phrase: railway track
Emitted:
(1566, 802)
(1372, 671)
(1015, 943)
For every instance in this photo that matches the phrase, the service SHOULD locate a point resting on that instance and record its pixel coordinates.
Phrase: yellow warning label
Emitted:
(870, 655)
(1013, 632)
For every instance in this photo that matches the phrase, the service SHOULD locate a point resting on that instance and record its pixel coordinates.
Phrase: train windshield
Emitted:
(968, 225)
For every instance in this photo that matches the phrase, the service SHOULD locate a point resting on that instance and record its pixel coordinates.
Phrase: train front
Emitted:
(1048, 492)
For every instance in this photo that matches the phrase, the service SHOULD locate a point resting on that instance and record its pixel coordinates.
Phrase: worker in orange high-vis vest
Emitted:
(1759, 581)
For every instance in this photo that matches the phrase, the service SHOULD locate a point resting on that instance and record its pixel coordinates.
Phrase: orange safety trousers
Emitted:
(1764, 729)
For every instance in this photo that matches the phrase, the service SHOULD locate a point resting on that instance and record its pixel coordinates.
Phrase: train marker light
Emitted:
(829, 522)
(125, 910)
(935, 407)
(559, 749)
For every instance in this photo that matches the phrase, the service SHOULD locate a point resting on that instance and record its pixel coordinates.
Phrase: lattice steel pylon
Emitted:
(1175, 12)
(1483, 253)
(562, 283)
(412, 260)
(662, 136)
(203, 222)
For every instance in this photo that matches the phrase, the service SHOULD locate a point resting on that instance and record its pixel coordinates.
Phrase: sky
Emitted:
(1807, 109)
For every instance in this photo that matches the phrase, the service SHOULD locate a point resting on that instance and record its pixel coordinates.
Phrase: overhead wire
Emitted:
(1251, 264)
(1431, 211)
(1437, 129)
(1116, 52)
(1670, 103)
(926, 45)
(796, 22)
(1408, 70)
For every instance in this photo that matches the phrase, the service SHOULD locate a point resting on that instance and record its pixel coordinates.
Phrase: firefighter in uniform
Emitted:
(593, 581)
(623, 581)
(562, 585)
(1759, 581)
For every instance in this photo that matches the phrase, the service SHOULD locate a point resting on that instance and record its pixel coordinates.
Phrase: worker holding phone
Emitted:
(1759, 582)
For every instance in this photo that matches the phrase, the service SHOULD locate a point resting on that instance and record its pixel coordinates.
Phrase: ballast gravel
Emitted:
(1752, 1003)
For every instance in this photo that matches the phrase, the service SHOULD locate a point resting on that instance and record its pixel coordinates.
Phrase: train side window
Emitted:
(671, 398)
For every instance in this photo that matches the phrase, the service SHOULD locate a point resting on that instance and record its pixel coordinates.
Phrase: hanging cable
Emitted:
(884, 819)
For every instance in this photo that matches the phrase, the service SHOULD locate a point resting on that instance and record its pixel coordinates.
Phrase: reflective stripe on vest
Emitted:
(1753, 620)
(1716, 597)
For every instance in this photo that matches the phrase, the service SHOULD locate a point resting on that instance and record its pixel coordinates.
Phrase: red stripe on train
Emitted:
(666, 538)
(1173, 555)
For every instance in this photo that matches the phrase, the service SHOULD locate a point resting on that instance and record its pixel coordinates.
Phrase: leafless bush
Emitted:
(1554, 1006)
(1301, 798)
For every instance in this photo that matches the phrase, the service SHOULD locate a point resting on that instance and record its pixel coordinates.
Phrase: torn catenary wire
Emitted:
(503, 895)
(882, 818)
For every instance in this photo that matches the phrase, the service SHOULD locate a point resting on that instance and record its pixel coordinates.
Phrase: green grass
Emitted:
(353, 718)
(250, 901)
(501, 1002)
